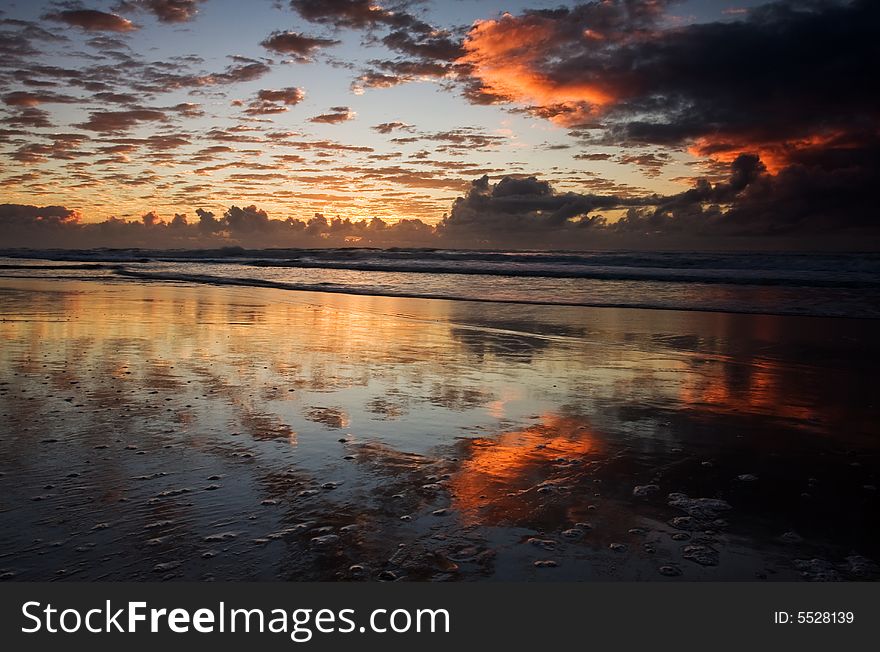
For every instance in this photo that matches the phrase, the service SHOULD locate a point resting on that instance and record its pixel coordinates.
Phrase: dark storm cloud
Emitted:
(787, 76)
(92, 20)
(787, 86)
(299, 46)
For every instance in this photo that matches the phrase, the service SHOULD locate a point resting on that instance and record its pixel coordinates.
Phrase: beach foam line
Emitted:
(338, 289)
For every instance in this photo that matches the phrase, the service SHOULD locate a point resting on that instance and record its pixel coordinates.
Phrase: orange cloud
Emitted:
(505, 55)
(775, 155)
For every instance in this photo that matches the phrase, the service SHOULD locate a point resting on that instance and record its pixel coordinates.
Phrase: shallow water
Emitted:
(171, 431)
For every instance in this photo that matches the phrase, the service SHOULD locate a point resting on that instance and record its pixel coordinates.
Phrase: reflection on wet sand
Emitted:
(175, 432)
(501, 476)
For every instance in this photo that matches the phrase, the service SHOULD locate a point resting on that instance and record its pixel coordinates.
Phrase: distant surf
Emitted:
(818, 284)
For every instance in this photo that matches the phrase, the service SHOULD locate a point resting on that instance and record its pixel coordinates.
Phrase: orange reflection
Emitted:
(502, 473)
(761, 391)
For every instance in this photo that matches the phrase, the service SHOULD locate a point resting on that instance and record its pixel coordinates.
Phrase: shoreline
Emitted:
(190, 432)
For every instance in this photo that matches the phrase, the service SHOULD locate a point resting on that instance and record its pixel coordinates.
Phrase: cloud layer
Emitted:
(750, 206)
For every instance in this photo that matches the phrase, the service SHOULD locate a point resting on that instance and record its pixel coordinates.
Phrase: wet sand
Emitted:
(162, 431)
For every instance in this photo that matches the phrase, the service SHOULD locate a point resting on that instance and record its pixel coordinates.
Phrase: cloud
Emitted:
(56, 226)
(336, 115)
(803, 206)
(119, 121)
(62, 147)
(166, 11)
(357, 14)
(29, 117)
(438, 46)
(13, 216)
(388, 127)
(92, 20)
(299, 46)
(270, 102)
(784, 78)
(35, 98)
(287, 96)
(246, 70)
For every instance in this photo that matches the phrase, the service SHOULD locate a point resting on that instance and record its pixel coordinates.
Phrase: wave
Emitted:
(761, 269)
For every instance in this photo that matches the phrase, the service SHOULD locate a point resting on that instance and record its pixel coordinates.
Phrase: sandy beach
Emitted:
(169, 431)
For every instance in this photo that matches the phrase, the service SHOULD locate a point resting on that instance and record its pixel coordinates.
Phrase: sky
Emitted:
(526, 124)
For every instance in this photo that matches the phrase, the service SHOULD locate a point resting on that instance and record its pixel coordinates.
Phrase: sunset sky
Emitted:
(614, 119)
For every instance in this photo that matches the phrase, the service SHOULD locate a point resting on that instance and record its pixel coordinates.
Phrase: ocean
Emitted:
(815, 284)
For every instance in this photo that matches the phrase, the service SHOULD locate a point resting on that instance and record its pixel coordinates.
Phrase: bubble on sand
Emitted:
(861, 567)
(791, 537)
(573, 533)
(173, 492)
(817, 570)
(220, 536)
(548, 544)
(325, 540)
(640, 491)
(167, 566)
(703, 555)
(684, 523)
(545, 563)
(747, 477)
(702, 508)
(669, 571)
(617, 547)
